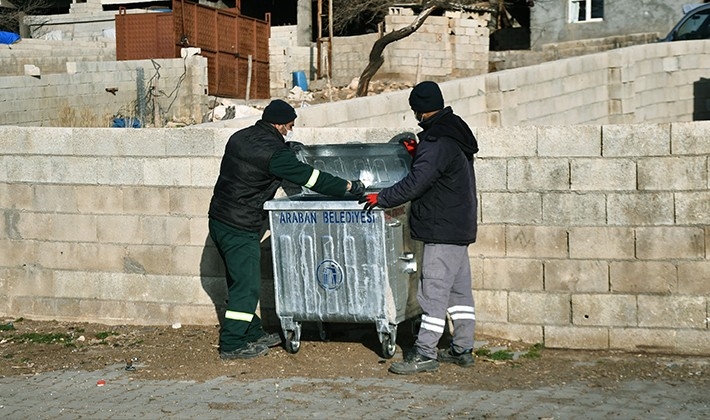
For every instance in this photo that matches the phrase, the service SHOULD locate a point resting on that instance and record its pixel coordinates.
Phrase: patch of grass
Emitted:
(44, 338)
(501, 355)
(482, 352)
(534, 352)
(105, 334)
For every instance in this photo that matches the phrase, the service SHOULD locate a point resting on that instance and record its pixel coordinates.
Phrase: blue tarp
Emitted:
(8, 37)
(126, 123)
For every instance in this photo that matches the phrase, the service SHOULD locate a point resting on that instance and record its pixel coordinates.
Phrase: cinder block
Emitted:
(574, 209)
(570, 141)
(72, 227)
(539, 308)
(507, 142)
(490, 241)
(633, 140)
(520, 208)
(694, 278)
(692, 208)
(491, 306)
(512, 274)
(538, 174)
(643, 339)
(673, 173)
(119, 229)
(692, 342)
(604, 310)
(189, 201)
(643, 277)
(162, 230)
(93, 199)
(603, 174)
(148, 259)
(601, 243)
(536, 242)
(531, 334)
(665, 243)
(580, 338)
(672, 311)
(577, 275)
(30, 281)
(690, 138)
(633, 209)
(146, 200)
(55, 198)
(491, 174)
(124, 171)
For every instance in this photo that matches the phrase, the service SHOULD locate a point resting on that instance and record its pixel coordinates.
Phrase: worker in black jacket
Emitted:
(256, 160)
(441, 187)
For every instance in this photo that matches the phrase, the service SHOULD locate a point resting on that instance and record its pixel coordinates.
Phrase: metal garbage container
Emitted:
(334, 262)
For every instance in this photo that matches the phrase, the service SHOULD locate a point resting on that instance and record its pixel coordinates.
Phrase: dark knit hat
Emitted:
(278, 112)
(426, 97)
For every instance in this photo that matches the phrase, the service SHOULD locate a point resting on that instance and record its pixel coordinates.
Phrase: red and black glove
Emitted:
(411, 146)
(370, 201)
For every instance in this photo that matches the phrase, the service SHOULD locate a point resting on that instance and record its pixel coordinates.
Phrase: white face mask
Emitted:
(289, 135)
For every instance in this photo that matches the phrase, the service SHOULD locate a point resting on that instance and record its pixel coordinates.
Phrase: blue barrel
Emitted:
(299, 79)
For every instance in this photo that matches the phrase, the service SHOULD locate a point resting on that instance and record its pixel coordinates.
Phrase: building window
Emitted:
(586, 10)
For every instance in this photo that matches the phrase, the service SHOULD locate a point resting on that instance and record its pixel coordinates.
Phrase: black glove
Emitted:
(370, 201)
(294, 145)
(357, 188)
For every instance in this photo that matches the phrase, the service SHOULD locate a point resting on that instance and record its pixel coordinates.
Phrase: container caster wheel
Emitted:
(389, 347)
(292, 344)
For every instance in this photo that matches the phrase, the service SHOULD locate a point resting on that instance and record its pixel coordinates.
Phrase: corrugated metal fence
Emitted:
(236, 47)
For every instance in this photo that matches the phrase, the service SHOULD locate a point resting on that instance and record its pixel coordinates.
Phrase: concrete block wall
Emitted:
(595, 237)
(285, 57)
(591, 236)
(443, 46)
(110, 225)
(643, 83)
(503, 60)
(102, 89)
(51, 56)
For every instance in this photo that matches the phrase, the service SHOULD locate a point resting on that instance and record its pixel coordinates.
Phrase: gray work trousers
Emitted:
(445, 287)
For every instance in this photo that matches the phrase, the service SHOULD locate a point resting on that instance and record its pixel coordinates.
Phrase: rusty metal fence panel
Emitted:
(145, 35)
(233, 44)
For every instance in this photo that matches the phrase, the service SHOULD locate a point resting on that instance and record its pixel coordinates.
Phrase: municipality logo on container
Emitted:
(330, 275)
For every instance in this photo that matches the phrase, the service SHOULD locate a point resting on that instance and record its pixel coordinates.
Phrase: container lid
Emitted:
(386, 163)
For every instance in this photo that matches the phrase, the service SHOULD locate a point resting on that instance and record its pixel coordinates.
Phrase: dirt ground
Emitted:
(350, 350)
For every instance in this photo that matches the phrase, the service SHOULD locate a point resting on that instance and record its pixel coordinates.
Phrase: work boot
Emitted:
(450, 356)
(246, 352)
(415, 364)
(269, 340)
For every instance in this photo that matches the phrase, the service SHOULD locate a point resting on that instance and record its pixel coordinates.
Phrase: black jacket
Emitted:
(256, 161)
(441, 184)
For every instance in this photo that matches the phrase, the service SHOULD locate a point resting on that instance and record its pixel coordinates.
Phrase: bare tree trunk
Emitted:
(376, 58)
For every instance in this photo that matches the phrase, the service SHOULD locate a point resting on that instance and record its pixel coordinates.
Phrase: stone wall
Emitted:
(592, 236)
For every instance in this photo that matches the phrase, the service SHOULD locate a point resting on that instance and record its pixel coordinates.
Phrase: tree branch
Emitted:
(376, 57)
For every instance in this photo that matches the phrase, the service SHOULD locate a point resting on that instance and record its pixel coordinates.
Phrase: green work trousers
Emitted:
(241, 254)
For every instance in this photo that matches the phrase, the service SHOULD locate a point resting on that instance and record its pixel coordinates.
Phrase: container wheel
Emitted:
(292, 344)
(389, 347)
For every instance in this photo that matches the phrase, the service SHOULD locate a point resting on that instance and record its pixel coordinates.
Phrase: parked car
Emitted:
(693, 25)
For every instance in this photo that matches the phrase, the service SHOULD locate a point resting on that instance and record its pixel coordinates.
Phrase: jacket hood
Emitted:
(447, 124)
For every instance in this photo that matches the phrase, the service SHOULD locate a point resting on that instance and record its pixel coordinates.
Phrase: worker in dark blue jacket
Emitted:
(441, 187)
(255, 163)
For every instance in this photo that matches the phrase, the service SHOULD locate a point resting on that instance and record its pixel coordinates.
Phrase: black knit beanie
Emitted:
(278, 112)
(426, 97)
